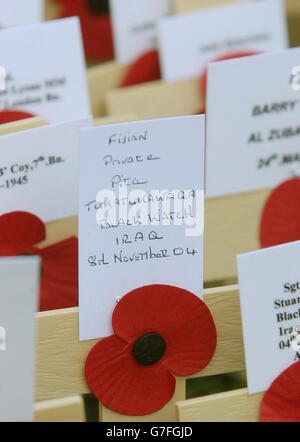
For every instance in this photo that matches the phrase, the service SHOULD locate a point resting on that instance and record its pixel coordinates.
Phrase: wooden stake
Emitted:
(60, 410)
(233, 406)
(18, 126)
(180, 6)
(156, 99)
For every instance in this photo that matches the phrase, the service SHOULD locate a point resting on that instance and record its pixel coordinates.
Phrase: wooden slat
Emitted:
(60, 357)
(18, 126)
(60, 410)
(60, 230)
(233, 406)
(293, 6)
(225, 308)
(224, 237)
(51, 9)
(180, 6)
(102, 79)
(166, 414)
(156, 99)
(102, 121)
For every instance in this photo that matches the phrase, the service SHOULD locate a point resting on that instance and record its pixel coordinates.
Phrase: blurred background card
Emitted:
(45, 70)
(135, 26)
(39, 170)
(188, 42)
(16, 12)
(255, 103)
(18, 305)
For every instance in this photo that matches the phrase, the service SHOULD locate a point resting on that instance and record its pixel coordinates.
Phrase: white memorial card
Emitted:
(39, 170)
(141, 214)
(135, 26)
(269, 282)
(188, 42)
(254, 103)
(16, 12)
(45, 70)
(18, 305)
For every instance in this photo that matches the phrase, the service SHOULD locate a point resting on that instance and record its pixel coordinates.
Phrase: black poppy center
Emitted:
(98, 6)
(149, 349)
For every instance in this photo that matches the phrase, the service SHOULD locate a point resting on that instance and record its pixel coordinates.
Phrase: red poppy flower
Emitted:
(146, 68)
(160, 332)
(203, 78)
(10, 115)
(281, 403)
(280, 222)
(20, 232)
(95, 23)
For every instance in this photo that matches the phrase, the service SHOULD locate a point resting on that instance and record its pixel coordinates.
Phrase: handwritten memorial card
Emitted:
(39, 170)
(16, 12)
(188, 42)
(18, 305)
(256, 145)
(141, 213)
(45, 70)
(135, 26)
(270, 302)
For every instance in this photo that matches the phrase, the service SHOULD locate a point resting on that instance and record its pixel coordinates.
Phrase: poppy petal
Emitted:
(19, 232)
(180, 317)
(280, 221)
(146, 68)
(123, 385)
(96, 28)
(59, 282)
(281, 403)
(8, 116)
(192, 345)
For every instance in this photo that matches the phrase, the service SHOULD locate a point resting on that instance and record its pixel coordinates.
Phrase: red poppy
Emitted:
(160, 332)
(10, 115)
(203, 78)
(280, 222)
(281, 403)
(20, 232)
(146, 68)
(95, 23)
